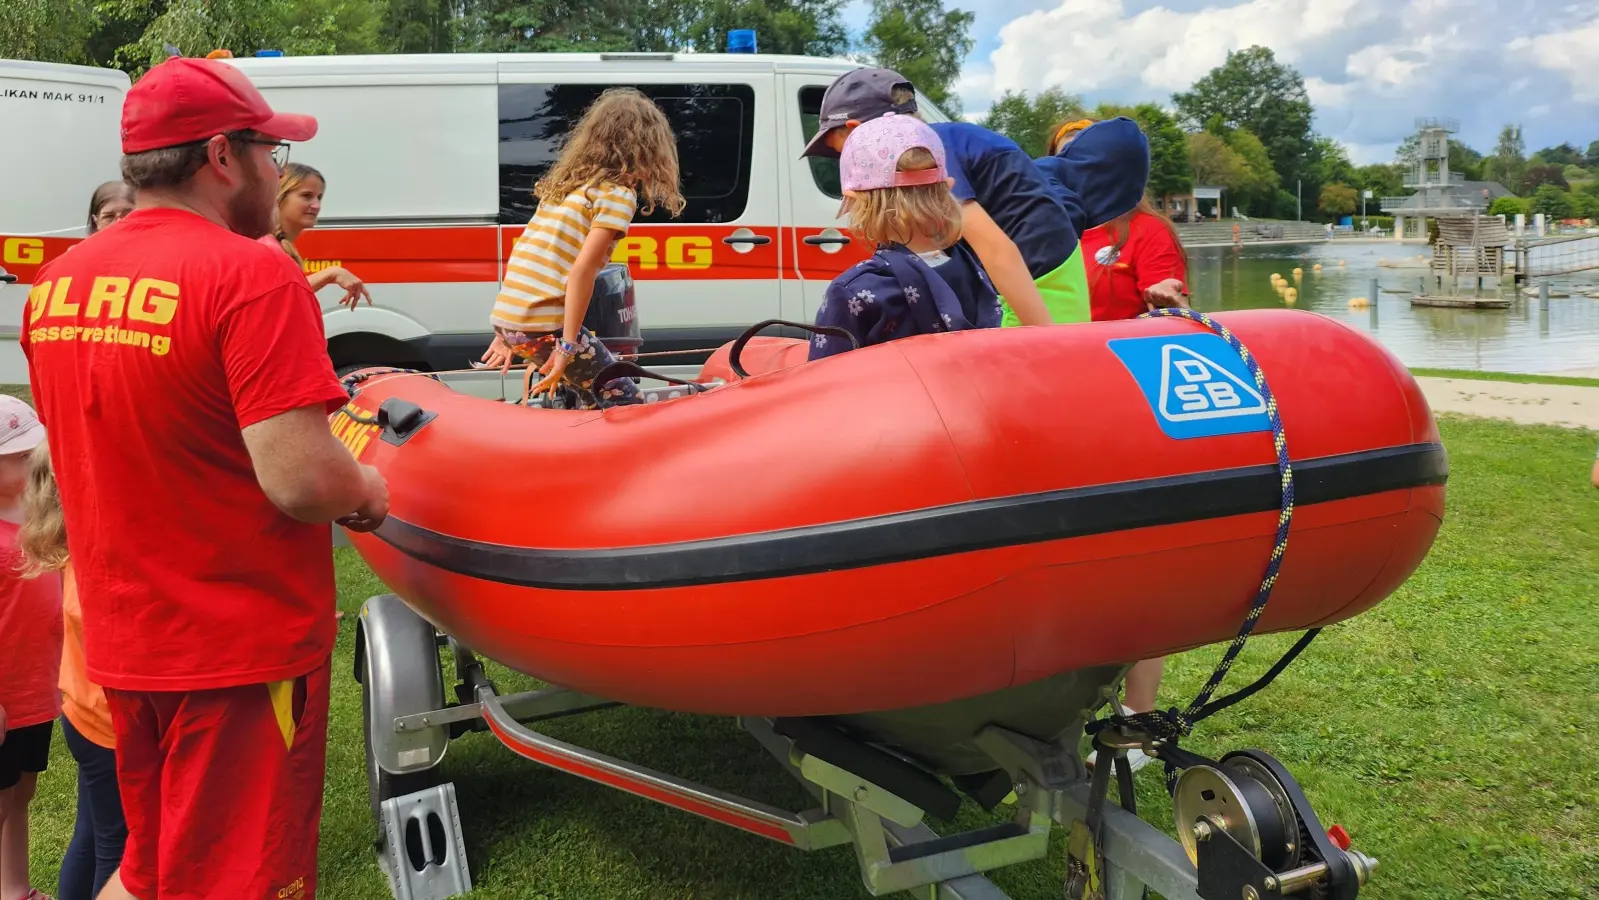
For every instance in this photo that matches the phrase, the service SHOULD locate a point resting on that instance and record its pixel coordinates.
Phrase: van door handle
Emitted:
(819, 239)
(752, 239)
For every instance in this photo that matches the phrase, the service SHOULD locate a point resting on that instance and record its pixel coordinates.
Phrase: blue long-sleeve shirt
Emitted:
(1101, 174)
(896, 293)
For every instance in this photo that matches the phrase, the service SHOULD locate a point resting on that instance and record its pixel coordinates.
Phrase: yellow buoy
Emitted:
(1275, 276)
(1316, 267)
(1340, 262)
(1358, 302)
(1289, 296)
(1298, 271)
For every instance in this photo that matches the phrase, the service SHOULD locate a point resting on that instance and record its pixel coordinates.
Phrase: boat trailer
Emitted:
(1245, 829)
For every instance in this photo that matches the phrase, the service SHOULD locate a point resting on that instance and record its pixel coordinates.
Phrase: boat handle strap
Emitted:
(627, 368)
(738, 345)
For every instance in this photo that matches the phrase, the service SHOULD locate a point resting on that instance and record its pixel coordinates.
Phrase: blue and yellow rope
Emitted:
(1175, 723)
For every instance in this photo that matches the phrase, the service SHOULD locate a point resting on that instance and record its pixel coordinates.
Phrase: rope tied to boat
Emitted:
(1173, 724)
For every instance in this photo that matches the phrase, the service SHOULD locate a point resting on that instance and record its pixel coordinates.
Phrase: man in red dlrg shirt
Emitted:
(182, 370)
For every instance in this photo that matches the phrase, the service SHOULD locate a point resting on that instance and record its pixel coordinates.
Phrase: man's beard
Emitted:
(250, 210)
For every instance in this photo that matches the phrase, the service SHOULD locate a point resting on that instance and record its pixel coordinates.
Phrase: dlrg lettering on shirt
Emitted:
(117, 307)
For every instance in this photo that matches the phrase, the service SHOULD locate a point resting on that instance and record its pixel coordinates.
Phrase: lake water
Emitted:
(1524, 338)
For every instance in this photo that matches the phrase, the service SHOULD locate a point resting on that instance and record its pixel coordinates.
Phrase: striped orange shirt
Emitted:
(533, 295)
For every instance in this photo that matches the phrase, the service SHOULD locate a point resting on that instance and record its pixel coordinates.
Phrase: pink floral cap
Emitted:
(20, 430)
(870, 159)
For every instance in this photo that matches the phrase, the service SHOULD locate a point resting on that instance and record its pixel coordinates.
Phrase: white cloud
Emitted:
(1370, 66)
(1569, 53)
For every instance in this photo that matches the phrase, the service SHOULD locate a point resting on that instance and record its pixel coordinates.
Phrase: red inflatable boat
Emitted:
(914, 524)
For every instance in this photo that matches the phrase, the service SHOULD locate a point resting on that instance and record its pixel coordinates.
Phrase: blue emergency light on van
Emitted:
(741, 40)
(269, 53)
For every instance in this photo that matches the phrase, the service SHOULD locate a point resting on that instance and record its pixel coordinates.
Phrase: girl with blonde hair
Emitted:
(620, 160)
(100, 832)
(921, 279)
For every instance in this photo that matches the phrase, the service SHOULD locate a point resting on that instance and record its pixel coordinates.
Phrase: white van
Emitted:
(430, 162)
(59, 140)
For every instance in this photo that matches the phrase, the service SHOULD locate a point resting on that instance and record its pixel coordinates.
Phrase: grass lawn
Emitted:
(1449, 730)
(1469, 375)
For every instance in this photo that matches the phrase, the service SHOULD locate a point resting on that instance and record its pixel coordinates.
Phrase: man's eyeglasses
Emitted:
(280, 149)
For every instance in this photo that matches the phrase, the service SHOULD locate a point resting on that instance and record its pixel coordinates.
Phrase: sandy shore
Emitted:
(1525, 404)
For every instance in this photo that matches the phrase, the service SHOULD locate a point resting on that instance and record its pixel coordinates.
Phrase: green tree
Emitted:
(1552, 202)
(1383, 180)
(421, 26)
(923, 41)
(1508, 161)
(1559, 155)
(1585, 206)
(196, 27)
(1591, 158)
(1252, 90)
(46, 30)
(1508, 206)
(1328, 163)
(547, 26)
(1574, 174)
(1169, 169)
(1260, 193)
(1465, 161)
(1030, 121)
(1538, 175)
(1338, 199)
(799, 27)
(1215, 164)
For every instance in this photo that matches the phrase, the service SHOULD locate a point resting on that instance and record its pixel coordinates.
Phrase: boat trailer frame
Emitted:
(409, 727)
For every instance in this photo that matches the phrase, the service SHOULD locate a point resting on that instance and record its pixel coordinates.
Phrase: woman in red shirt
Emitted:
(1135, 263)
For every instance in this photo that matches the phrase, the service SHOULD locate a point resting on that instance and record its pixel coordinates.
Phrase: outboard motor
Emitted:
(612, 315)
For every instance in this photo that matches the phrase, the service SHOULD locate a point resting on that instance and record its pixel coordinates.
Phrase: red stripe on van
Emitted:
(469, 253)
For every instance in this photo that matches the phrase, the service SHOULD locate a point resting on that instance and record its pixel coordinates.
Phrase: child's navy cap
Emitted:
(858, 96)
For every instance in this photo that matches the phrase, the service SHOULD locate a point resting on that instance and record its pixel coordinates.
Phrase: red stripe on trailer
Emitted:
(642, 789)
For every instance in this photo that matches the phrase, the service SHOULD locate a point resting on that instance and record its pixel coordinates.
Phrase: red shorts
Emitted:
(223, 789)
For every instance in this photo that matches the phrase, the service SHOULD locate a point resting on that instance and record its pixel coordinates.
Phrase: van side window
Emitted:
(714, 124)
(823, 171)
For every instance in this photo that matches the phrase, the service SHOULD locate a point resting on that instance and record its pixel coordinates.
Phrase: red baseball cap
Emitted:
(185, 100)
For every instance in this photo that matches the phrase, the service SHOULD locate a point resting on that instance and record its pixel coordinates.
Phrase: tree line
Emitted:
(920, 38)
(1246, 127)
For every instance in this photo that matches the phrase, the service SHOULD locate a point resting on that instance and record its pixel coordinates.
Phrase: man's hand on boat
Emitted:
(1166, 294)
(371, 513)
(499, 355)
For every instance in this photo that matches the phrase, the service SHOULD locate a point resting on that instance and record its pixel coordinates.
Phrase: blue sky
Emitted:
(1371, 66)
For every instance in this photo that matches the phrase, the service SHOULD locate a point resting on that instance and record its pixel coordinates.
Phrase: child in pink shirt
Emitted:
(30, 655)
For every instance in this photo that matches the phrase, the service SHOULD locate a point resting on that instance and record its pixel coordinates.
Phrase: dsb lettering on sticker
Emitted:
(1196, 385)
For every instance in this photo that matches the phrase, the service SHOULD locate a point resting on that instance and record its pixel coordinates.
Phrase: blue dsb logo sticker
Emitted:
(1196, 385)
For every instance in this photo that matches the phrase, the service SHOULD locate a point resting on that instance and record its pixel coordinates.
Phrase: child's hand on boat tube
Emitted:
(498, 355)
(552, 370)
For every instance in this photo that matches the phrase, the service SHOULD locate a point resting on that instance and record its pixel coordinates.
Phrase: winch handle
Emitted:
(738, 345)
